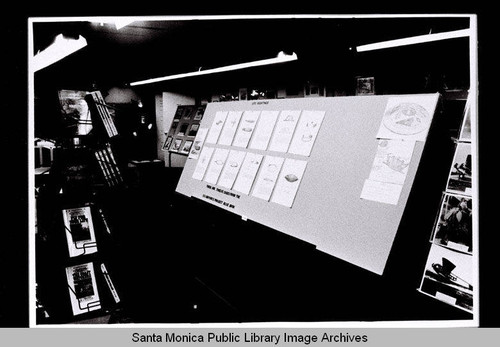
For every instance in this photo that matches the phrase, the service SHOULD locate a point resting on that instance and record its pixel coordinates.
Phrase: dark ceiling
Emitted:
(153, 48)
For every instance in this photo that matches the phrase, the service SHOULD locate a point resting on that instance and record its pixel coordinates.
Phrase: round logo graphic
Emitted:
(407, 119)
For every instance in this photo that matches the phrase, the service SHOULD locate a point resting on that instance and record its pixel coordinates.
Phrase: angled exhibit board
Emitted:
(335, 172)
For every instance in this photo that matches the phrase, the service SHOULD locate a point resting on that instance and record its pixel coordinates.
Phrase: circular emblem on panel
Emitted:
(406, 119)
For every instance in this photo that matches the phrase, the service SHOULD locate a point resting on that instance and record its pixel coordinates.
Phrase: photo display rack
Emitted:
(74, 241)
(335, 172)
(449, 271)
(183, 130)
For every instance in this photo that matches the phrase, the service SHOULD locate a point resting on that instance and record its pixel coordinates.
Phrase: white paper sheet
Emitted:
(306, 132)
(247, 173)
(407, 117)
(231, 169)
(458, 247)
(283, 132)
(264, 130)
(384, 192)
(198, 143)
(288, 182)
(246, 128)
(230, 127)
(216, 128)
(202, 164)
(391, 161)
(266, 179)
(216, 165)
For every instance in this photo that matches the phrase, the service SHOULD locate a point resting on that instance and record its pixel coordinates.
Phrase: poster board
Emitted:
(327, 210)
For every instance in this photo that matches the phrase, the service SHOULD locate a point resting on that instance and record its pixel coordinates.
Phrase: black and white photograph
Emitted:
(454, 225)
(174, 126)
(465, 129)
(79, 230)
(191, 243)
(188, 113)
(186, 146)
(193, 129)
(179, 112)
(182, 130)
(460, 177)
(199, 113)
(167, 143)
(176, 145)
(75, 111)
(449, 277)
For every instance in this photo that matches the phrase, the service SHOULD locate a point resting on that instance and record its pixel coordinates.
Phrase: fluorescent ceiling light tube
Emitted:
(122, 22)
(59, 49)
(414, 40)
(280, 58)
(119, 23)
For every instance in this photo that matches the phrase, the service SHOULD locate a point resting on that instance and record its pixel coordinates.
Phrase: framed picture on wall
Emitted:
(193, 130)
(242, 94)
(174, 126)
(365, 86)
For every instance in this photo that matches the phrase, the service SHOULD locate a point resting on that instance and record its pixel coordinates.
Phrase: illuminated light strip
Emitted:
(59, 49)
(281, 58)
(122, 22)
(414, 40)
(118, 22)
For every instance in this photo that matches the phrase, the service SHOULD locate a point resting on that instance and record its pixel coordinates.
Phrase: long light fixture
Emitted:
(122, 22)
(280, 58)
(59, 49)
(118, 22)
(414, 40)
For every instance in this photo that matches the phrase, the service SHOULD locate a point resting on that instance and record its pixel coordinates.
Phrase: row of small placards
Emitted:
(278, 179)
(268, 177)
(292, 131)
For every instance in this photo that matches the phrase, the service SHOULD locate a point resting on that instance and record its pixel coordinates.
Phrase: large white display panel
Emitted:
(334, 207)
